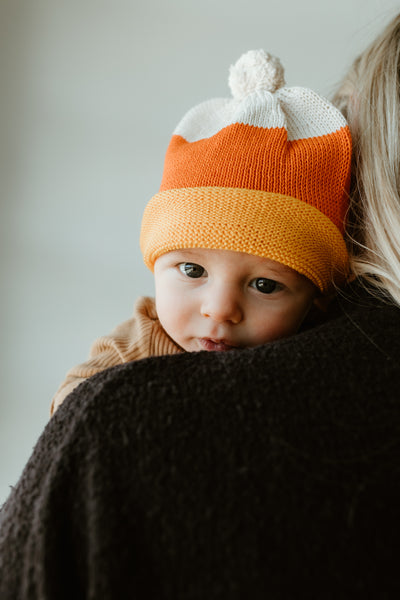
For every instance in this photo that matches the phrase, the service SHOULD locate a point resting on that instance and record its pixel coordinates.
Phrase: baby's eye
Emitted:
(265, 286)
(192, 270)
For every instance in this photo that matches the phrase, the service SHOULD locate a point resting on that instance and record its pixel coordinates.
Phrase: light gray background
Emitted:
(90, 93)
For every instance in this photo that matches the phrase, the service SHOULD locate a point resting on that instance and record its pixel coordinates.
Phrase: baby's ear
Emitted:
(318, 311)
(322, 301)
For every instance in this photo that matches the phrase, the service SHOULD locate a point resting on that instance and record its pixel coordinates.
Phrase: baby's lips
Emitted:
(216, 345)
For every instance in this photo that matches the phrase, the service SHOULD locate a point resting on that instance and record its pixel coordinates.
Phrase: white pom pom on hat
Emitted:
(255, 70)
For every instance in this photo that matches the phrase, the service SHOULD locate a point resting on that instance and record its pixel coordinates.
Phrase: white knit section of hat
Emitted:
(301, 111)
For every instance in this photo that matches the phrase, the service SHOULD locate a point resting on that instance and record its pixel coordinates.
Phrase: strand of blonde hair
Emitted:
(370, 99)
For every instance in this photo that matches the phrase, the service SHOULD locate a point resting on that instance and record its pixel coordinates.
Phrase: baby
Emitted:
(247, 230)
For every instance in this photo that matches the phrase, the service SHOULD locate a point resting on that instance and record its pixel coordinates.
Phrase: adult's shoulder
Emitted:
(354, 354)
(221, 475)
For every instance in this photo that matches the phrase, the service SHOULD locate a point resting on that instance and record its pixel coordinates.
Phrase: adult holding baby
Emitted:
(266, 472)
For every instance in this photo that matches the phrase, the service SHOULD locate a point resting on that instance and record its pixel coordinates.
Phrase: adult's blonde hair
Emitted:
(369, 97)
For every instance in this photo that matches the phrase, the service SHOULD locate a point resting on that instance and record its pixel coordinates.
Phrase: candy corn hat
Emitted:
(265, 172)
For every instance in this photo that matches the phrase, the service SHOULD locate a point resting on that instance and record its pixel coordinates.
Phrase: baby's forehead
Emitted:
(231, 257)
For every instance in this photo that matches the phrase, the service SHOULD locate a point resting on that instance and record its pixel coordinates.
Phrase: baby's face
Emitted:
(217, 300)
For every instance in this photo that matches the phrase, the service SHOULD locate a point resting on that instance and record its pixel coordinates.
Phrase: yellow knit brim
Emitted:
(270, 225)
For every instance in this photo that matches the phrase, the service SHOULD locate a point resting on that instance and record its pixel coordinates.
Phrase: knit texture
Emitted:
(238, 218)
(270, 472)
(243, 163)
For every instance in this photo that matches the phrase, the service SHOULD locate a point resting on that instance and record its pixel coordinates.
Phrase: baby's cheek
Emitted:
(285, 327)
(171, 314)
(281, 325)
(296, 319)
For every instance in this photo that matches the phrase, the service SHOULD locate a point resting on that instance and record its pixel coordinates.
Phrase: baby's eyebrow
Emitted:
(186, 252)
(277, 268)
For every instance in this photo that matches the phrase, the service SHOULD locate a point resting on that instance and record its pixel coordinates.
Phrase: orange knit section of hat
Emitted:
(314, 170)
(266, 172)
(265, 224)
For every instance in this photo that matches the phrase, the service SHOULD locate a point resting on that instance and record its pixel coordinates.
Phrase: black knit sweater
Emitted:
(268, 473)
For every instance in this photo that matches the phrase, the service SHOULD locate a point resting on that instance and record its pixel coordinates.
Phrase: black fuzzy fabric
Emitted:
(268, 473)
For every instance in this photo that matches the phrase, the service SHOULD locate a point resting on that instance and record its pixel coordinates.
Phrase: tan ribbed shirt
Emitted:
(140, 336)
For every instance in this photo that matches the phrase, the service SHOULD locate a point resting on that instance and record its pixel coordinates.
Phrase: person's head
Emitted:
(369, 97)
(219, 299)
(254, 194)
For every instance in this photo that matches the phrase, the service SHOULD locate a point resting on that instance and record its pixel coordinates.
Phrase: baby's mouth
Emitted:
(215, 345)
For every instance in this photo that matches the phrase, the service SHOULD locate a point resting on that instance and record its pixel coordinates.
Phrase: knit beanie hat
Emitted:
(266, 172)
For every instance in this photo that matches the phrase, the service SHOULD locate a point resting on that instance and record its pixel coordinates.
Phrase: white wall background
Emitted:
(90, 93)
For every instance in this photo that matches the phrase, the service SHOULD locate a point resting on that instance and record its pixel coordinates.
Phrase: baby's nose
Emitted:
(221, 306)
